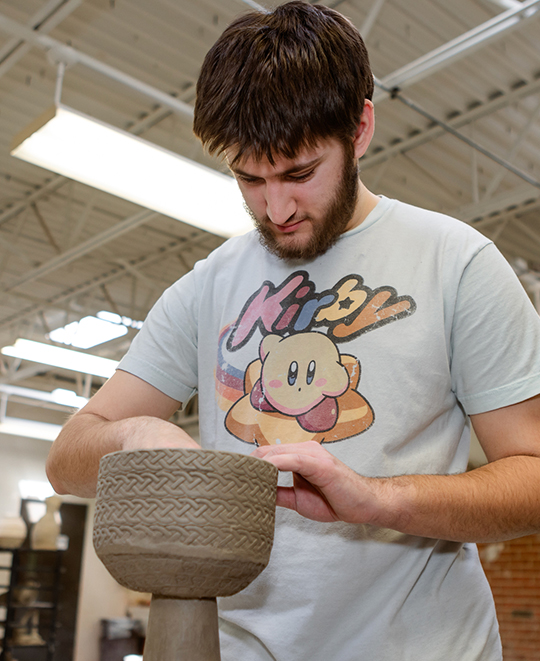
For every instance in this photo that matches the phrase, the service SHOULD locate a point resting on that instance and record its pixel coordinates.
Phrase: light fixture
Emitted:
(68, 398)
(88, 332)
(29, 428)
(82, 148)
(58, 396)
(114, 318)
(47, 354)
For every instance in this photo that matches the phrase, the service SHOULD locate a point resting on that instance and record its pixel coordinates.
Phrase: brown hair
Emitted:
(279, 81)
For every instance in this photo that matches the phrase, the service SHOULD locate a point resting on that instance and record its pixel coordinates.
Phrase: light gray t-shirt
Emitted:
(379, 349)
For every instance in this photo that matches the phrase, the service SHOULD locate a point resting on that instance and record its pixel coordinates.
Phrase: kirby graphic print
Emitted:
(301, 387)
(301, 376)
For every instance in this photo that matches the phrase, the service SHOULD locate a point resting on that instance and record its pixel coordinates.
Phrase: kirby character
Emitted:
(301, 376)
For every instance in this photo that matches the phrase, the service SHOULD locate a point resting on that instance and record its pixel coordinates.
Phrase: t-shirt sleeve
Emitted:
(164, 352)
(495, 342)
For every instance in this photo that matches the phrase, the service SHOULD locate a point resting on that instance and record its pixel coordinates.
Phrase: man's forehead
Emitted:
(305, 158)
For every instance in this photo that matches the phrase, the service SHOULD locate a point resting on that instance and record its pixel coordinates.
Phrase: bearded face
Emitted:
(300, 206)
(326, 228)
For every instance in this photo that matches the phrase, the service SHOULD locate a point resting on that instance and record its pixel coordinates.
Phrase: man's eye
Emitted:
(301, 177)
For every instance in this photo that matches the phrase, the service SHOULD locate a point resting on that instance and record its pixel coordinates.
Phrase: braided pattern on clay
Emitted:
(185, 523)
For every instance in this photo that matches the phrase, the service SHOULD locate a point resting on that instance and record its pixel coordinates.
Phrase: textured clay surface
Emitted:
(185, 523)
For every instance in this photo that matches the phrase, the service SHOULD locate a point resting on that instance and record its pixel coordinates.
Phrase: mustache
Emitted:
(265, 220)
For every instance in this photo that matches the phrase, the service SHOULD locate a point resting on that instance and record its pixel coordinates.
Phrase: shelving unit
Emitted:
(31, 604)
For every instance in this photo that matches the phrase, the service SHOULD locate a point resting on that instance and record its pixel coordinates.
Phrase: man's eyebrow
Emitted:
(292, 170)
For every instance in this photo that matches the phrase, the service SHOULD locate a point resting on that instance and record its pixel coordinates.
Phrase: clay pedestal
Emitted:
(187, 626)
(188, 526)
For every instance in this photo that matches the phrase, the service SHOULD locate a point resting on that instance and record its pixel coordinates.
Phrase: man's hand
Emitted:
(148, 433)
(325, 489)
(125, 414)
(495, 502)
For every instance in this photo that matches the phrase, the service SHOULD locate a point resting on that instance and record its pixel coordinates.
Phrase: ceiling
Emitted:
(67, 250)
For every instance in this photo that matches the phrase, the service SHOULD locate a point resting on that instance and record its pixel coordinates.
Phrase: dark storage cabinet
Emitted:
(30, 600)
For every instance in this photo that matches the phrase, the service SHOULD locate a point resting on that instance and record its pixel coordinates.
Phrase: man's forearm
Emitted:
(73, 462)
(498, 501)
(495, 502)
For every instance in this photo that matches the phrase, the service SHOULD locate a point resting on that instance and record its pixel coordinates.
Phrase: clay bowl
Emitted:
(184, 523)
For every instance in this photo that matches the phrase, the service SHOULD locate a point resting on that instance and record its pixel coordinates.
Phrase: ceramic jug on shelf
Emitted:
(45, 532)
(13, 532)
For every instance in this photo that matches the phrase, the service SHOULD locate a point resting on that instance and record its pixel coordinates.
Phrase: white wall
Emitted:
(101, 598)
(20, 459)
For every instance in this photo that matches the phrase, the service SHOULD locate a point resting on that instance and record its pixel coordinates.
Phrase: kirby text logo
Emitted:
(347, 310)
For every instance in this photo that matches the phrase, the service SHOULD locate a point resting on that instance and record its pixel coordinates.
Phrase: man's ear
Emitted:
(365, 130)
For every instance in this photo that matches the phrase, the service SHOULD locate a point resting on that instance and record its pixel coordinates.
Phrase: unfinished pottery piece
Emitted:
(13, 532)
(184, 523)
(44, 533)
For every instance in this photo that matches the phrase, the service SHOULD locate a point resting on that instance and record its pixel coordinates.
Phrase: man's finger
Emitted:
(308, 447)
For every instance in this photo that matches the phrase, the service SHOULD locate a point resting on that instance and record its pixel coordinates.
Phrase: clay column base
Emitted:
(182, 630)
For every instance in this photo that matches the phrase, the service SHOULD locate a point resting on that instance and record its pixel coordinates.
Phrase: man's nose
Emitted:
(280, 206)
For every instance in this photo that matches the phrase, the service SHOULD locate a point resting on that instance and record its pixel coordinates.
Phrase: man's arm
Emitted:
(125, 414)
(498, 501)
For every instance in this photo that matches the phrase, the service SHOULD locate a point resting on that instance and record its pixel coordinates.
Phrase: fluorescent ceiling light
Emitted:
(68, 398)
(29, 428)
(506, 4)
(47, 354)
(88, 332)
(57, 396)
(117, 319)
(92, 152)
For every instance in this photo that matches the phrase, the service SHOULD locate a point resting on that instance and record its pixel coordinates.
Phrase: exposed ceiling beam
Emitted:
(93, 283)
(45, 20)
(529, 232)
(499, 219)
(460, 119)
(48, 187)
(254, 5)
(69, 56)
(80, 311)
(370, 19)
(77, 227)
(497, 204)
(407, 75)
(438, 179)
(110, 300)
(506, 4)
(496, 234)
(16, 374)
(464, 138)
(87, 246)
(35, 22)
(456, 49)
(475, 189)
(495, 182)
(151, 284)
(46, 229)
(10, 247)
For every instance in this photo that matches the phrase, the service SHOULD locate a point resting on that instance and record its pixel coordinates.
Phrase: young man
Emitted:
(346, 340)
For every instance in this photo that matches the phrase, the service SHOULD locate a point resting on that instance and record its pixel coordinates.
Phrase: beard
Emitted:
(326, 230)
